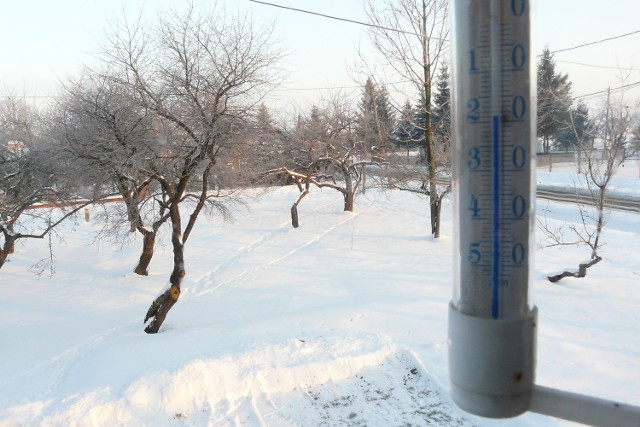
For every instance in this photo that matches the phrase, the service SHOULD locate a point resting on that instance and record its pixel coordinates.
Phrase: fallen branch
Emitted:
(582, 270)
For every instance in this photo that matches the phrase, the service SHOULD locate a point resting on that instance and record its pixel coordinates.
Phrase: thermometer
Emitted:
(492, 323)
(494, 156)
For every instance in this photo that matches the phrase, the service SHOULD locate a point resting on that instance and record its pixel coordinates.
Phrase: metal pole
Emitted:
(583, 409)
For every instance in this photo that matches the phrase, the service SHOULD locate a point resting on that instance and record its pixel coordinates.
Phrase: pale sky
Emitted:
(42, 41)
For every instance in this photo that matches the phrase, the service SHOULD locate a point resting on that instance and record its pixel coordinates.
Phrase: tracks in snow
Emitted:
(273, 253)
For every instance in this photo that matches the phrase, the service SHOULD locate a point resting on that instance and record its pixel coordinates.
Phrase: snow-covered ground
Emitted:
(564, 175)
(340, 322)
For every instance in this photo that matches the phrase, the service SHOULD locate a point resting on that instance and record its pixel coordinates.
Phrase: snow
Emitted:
(564, 175)
(342, 321)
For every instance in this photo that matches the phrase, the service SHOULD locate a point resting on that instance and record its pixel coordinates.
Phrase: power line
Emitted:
(337, 18)
(596, 42)
(352, 21)
(598, 66)
(615, 89)
(411, 33)
(287, 89)
(28, 96)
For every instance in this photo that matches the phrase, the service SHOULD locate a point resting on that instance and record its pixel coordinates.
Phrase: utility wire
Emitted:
(286, 89)
(352, 21)
(598, 66)
(416, 34)
(615, 89)
(596, 42)
(28, 96)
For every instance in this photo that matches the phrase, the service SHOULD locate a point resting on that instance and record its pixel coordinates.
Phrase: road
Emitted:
(569, 195)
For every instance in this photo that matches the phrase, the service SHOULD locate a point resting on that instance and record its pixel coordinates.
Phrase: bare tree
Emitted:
(37, 193)
(412, 37)
(634, 143)
(600, 159)
(264, 144)
(200, 72)
(100, 126)
(328, 153)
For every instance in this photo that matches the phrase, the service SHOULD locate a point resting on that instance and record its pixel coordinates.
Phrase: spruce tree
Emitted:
(580, 129)
(385, 117)
(442, 111)
(376, 117)
(554, 100)
(420, 128)
(404, 129)
(263, 118)
(314, 126)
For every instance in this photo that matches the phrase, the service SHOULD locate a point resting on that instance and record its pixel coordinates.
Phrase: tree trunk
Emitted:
(6, 249)
(364, 179)
(161, 305)
(294, 209)
(349, 194)
(148, 243)
(348, 201)
(294, 216)
(440, 200)
(433, 208)
(431, 158)
(545, 144)
(3, 257)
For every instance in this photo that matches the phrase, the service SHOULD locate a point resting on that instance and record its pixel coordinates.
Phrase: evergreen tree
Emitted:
(420, 128)
(411, 128)
(404, 129)
(385, 117)
(580, 129)
(554, 99)
(442, 111)
(266, 144)
(366, 122)
(314, 126)
(376, 120)
(264, 120)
